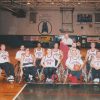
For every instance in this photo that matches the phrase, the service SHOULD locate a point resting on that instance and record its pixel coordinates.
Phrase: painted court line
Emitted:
(19, 92)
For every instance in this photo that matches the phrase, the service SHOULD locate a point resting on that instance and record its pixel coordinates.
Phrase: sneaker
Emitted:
(10, 79)
(96, 80)
(49, 81)
(30, 77)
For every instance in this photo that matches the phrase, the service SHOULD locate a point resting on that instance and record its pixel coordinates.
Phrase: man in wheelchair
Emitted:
(19, 53)
(91, 53)
(5, 63)
(28, 69)
(95, 65)
(74, 64)
(48, 63)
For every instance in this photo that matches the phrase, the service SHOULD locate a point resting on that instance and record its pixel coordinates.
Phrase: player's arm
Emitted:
(58, 62)
(61, 55)
(87, 56)
(21, 65)
(8, 57)
(34, 60)
(69, 53)
(92, 64)
(42, 62)
(67, 63)
(21, 61)
(81, 64)
(34, 50)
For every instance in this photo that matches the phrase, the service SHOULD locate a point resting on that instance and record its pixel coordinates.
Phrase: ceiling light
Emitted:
(79, 3)
(28, 3)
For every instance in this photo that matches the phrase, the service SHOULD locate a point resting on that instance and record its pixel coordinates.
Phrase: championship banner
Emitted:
(93, 39)
(31, 38)
(37, 38)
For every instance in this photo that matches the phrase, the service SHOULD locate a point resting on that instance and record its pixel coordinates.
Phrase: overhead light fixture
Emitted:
(79, 3)
(28, 3)
(65, 0)
(52, 2)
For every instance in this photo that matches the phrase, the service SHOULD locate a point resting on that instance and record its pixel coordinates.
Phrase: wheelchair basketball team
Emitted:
(45, 65)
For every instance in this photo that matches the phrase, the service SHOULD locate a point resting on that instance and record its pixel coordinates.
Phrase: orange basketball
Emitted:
(76, 67)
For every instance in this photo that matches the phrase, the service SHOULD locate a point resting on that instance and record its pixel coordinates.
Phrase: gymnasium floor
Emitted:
(59, 92)
(25, 91)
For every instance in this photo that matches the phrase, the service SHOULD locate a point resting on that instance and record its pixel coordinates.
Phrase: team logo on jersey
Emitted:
(45, 27)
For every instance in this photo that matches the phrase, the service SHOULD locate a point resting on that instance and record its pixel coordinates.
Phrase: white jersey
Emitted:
(56, 54)
(96, 62)
(71, 61)
(68, 41)
(91, 54)
(4, 56)
(19, 54)
(39, 53)
(48, 61)
(28, 61)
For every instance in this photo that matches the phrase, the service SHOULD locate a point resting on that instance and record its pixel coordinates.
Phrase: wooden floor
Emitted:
(53, 92)
(7, 90)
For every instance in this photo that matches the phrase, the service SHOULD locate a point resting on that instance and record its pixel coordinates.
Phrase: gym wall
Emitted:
(11, 25)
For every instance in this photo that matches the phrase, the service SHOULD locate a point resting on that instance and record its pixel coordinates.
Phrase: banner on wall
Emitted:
(31, 38)
(37, 38)
(93, 39)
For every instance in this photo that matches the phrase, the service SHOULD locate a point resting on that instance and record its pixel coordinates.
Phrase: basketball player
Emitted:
(18, 58)
(5, 63)
(39, 53)
(19, 53)
(95, 64)
(28, 65)
(58, 54)
(74, 64)
(91, 53)
(48, 62)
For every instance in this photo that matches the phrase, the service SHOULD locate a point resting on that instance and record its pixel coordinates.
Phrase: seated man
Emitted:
(28, 66)
(39, 52)
(19, 53)
(95, 64)
(48, 62)
(74, 64)
(91, 53)
(5, 63)
(58, 54)
(18, 58)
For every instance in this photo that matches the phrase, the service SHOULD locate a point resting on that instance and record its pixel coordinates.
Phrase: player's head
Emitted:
(22, 47)
(3, 47)
(56, 45)
(27, 51)
(49, 51)
(38, 44)
(93, 45)
(98, 54)
(74, 44)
